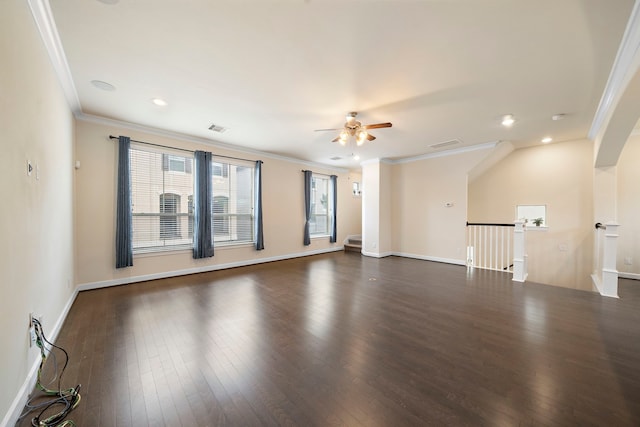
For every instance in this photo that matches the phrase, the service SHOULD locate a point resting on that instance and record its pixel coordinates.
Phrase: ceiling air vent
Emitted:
(217, 128)
(336, 158)
(446, 143)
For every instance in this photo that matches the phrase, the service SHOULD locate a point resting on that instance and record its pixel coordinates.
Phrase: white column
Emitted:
(519, 252)
(609, 285)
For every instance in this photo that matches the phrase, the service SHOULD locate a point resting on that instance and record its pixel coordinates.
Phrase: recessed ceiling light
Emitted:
(547, 139)
(508, 120)
(109, 1)
(557, 117)
(159, 102)
(103, 85)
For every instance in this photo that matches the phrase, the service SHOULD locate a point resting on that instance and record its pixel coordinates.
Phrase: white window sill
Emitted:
(320, 236)
(184, 250)
(540, 228)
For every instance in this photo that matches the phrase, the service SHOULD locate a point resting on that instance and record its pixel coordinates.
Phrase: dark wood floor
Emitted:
(341, 339)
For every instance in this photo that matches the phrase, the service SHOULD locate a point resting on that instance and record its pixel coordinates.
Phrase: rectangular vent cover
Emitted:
(336, 158)
(217, 128)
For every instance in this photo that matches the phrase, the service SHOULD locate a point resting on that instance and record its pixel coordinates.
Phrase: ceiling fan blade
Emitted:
(377, 126)
(322, 130)
(370, 137)
(336, 139)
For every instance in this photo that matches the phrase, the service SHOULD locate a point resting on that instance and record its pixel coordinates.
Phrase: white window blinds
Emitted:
(162, 199)
(320, 206)
(233, 198)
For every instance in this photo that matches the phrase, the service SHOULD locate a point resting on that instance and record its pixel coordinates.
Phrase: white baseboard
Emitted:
(633, 276)
(203, 269)
(12, 415)
(431, 258)
(376, 254)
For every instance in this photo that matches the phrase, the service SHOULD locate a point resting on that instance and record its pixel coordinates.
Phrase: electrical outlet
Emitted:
(628, 260)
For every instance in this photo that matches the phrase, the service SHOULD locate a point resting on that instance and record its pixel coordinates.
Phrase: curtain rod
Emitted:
(188, 151)
(317, 173)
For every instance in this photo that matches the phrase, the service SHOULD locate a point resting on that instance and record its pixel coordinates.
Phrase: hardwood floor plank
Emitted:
(345, 340)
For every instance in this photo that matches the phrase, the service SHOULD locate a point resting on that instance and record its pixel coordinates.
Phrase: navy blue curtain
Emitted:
(124, 238)
(202, 202)
(307, 206)
(334, 192)
(257, 226)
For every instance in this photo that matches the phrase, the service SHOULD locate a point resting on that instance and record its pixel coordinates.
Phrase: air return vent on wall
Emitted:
(446, 143)
(217, 128)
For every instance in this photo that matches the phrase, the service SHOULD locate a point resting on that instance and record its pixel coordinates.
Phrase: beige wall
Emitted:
(282, 209)
(422, 225)
(557, 175)
(36, 257)
(628, 207)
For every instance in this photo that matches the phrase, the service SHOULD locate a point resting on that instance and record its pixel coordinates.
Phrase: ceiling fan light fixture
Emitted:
(344, 135)
(361, 137)
(351, 117)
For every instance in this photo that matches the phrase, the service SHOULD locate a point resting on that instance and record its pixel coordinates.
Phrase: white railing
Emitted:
(605, 273)
(520, 268)
(490, 246)
(499, 247)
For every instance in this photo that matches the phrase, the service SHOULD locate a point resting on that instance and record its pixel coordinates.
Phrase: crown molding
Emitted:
(89, 118)
(624, 68)
(43, 17)
(485, 146)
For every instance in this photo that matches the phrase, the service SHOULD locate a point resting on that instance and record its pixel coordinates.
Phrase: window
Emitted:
(163, 204)
(232, 202)
(176, 163)
(356, 188)
(532, 215)
(161, 199)
(321, 209)
(220, 169)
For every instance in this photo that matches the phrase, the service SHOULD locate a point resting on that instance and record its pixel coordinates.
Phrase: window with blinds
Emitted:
(161, 199)
(321, 206)
(233, 196)
(163, 204)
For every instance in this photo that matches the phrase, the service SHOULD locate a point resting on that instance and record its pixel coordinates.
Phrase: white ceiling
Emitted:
(273, 71)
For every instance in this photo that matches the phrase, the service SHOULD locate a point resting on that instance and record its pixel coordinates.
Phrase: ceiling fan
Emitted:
(356, 129)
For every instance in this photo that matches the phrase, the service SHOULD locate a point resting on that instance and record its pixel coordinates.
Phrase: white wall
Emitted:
(628, 208)
(370, 207)
(36, 257)
(283, 213)
(557, 175)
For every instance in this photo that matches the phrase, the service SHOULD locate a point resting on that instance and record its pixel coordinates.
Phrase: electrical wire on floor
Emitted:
(68, 399)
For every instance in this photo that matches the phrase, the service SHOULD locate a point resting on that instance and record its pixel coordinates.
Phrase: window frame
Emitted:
(154, 176)
(329, 208)
(225, 170)
(155, 181)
